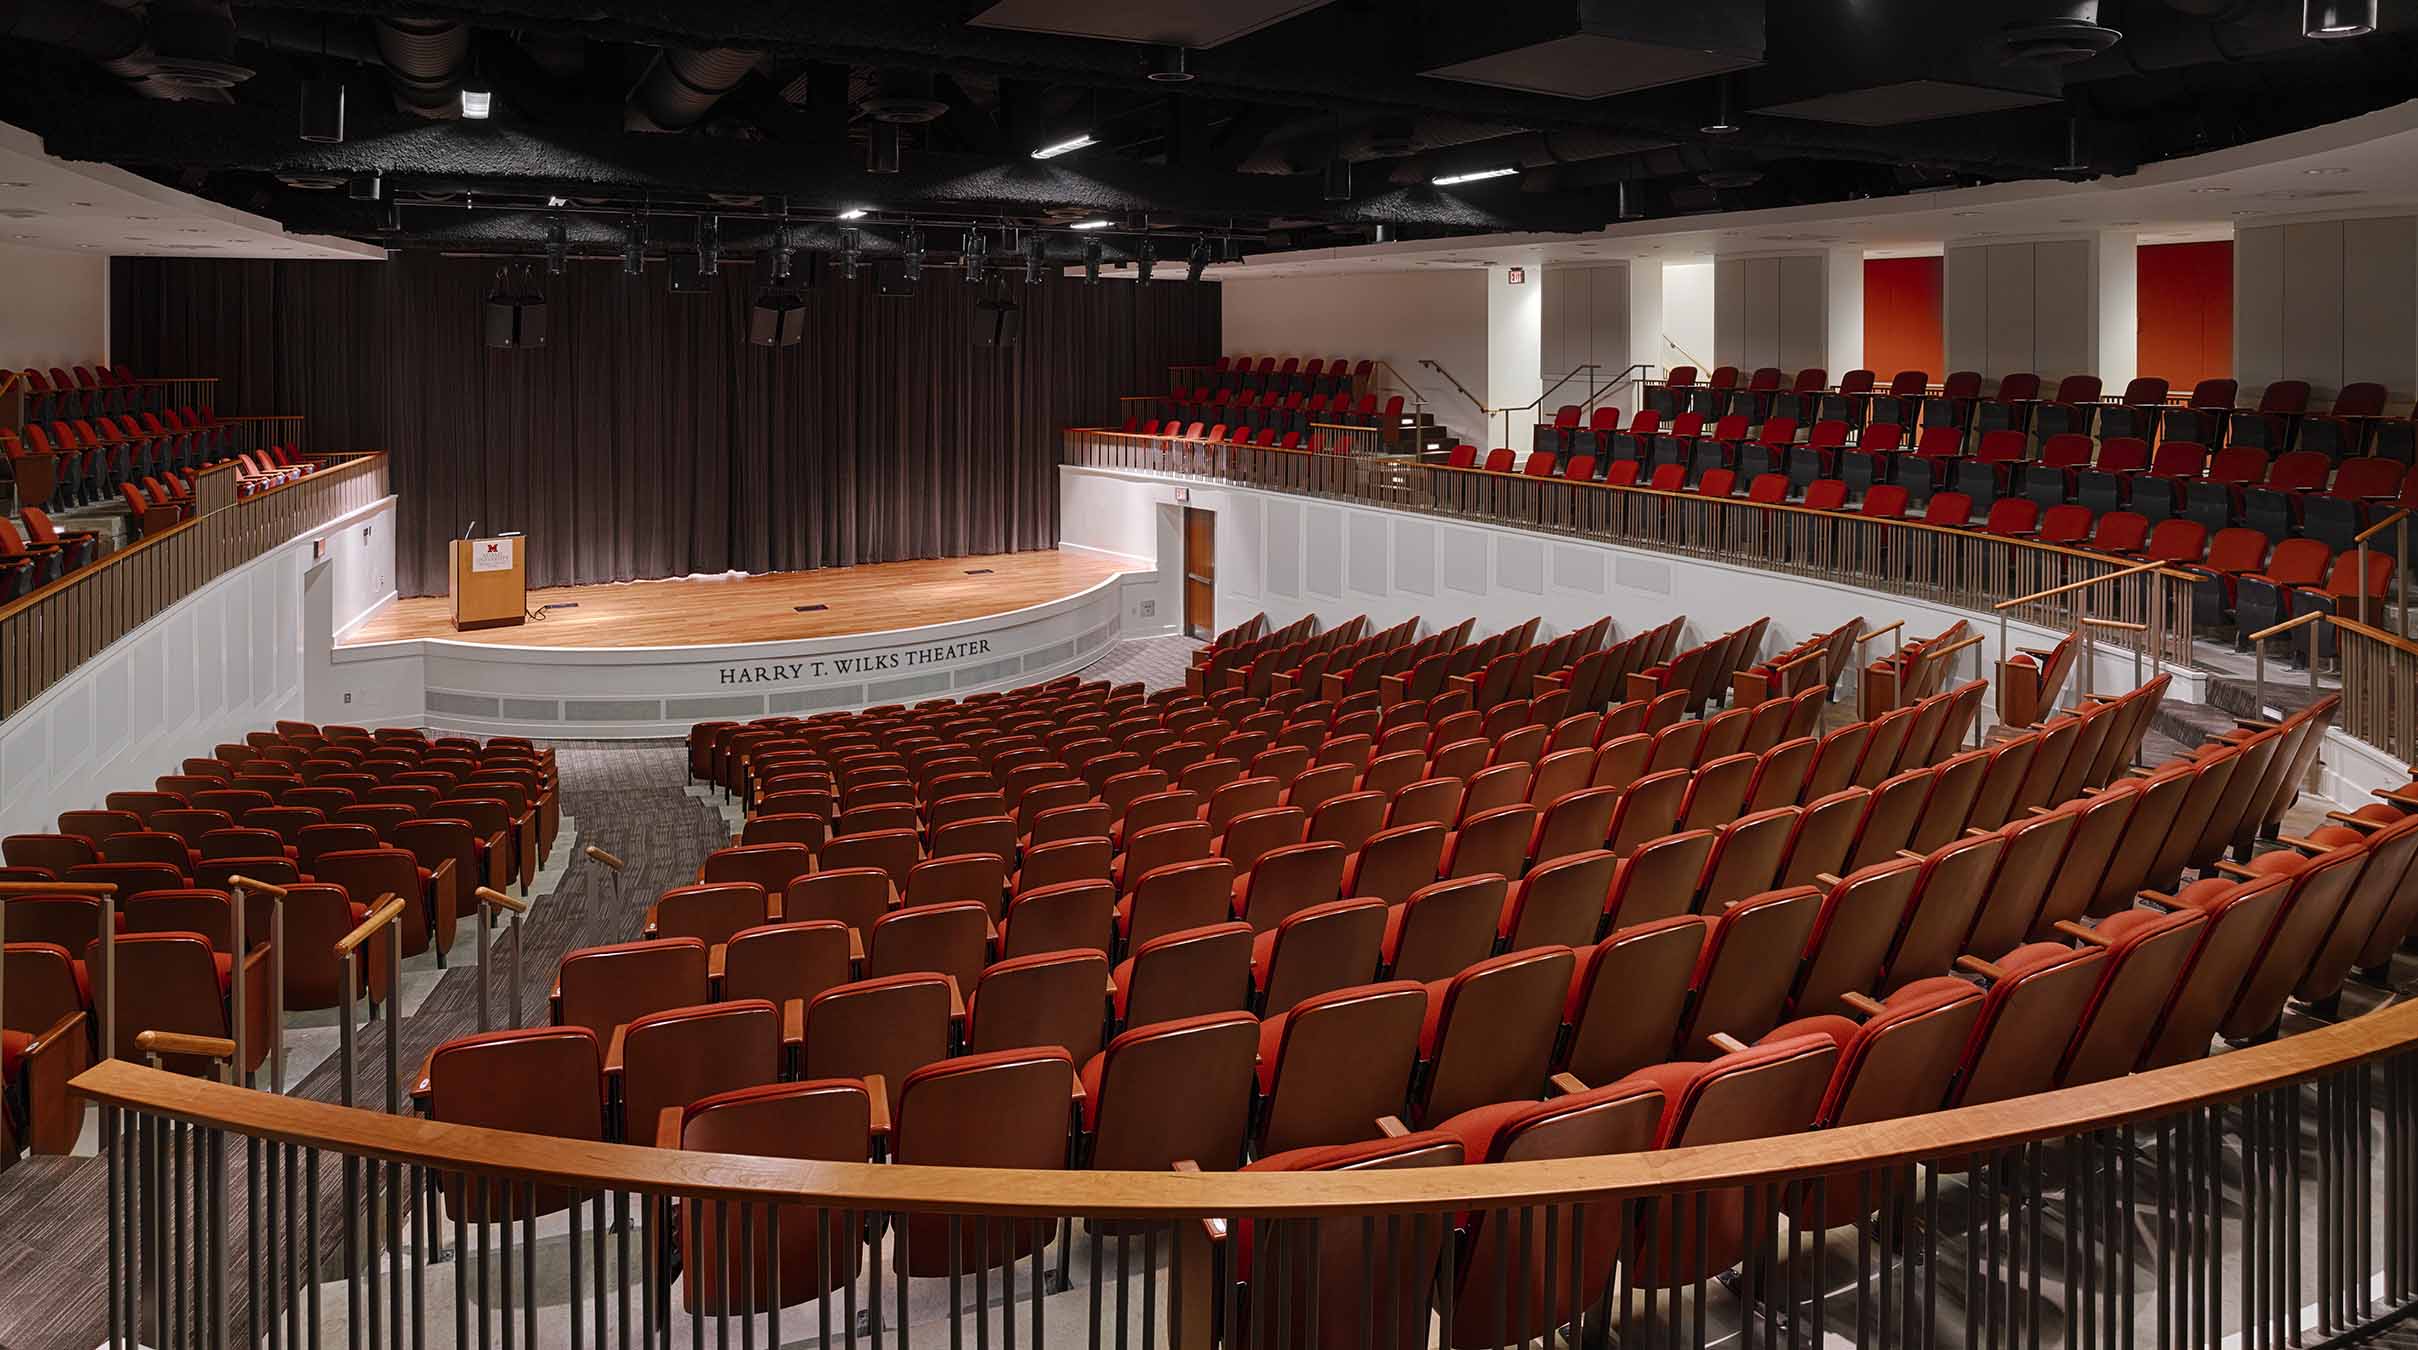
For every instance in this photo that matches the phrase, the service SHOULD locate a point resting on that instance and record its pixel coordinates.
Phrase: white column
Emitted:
(1515, 318)
(2119, 300)
(1845, 348)
(1645, 317)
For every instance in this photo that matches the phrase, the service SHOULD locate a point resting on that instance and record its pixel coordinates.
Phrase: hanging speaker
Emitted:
(778, 319)
(515, 321)
(997, 323)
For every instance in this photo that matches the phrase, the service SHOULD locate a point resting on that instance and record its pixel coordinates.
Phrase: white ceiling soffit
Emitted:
(1181, 23)
(50, 203)
(2365, 165)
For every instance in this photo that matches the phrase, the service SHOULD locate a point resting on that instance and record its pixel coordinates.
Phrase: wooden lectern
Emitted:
(489, 582)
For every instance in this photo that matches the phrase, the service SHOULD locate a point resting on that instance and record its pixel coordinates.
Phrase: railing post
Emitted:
(613, 865)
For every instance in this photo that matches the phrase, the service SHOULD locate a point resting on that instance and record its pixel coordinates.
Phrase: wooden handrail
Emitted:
(381, 914)
(246, 883)
(1883, 631)
(2380, 526)
(1954, 647)
(177, 1043)
(9, 888)
(2372, 633)
(2083, 584)
(490, 895)
(2288, 625)
(962, 1190)
(2116, 623)
(601, 856)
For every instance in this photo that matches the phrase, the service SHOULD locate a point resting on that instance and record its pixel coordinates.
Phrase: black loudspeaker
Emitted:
(777, 320)
(997, 323)
(516, 322)
(890, 280)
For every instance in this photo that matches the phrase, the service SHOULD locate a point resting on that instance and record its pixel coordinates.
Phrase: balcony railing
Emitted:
(46, 635)
(1968, 568)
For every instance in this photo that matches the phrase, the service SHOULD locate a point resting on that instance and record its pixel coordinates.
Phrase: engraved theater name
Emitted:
(870, 663)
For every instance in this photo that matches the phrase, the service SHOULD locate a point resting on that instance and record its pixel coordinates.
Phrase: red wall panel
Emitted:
(2186, 296)
(1902, 316)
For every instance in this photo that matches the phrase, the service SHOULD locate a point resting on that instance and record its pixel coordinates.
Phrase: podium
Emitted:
(488, 580)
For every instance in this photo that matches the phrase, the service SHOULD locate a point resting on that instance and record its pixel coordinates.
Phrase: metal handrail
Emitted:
(1474, 400)
(1418, 396)
(1532, 404)
(1634, 373)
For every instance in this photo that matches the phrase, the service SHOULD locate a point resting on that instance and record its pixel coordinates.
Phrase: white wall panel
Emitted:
(2379, 308)
(2008, 343)
(2333, 302)
(1803, 336)
(2065, 308)
(2313, 292)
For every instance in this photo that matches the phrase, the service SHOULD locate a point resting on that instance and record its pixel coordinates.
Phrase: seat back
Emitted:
(1495, 1032)
(1173, 1091)
(676, 1056)
(1340, 1061)
(1188, 973)
(1007, 1108)
(1049, 998)
(828, 1120)
(541, 1080)
(601, 988)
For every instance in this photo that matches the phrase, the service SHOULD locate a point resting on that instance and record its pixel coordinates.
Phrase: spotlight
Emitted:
(776, 258)
(633, 248)
(1339, 179)
(323, 110)
(1627, 206)
(1144, 261)
(1230, 249)
(2338, 18)
(914, 252)
(1089, 225)
(1723, 124)
(477, 102)
(1065, 147)
(852, 244)
(394, 217)
(1198, 262)
(1171, 64)
(558, 247)
(1035, 257)
(709, 246)
(1381, 233)
(882, 150)
(1091, 263)
(366, 187)
(977, 257)
(853, 213)
(1479, 176)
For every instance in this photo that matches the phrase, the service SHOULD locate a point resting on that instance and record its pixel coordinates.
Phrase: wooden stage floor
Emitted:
(707, 610)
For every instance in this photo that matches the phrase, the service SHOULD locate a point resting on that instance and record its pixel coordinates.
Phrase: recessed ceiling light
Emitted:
(2210, 191)
(2124, 222)
(477, 103)
(2317, 173)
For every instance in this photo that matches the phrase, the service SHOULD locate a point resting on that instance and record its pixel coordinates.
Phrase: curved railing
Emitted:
(2269, 1193)
(1968, 568)
(47, 634)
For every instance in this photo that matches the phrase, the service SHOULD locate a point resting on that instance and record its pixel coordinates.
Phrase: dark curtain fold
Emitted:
(649, 438)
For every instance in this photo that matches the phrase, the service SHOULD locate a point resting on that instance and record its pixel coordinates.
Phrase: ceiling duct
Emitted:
(109, 36)
(2062, 35)
(424, 60)
(1590, 49)
(683, 85)
(193, 48)
(1890, 65)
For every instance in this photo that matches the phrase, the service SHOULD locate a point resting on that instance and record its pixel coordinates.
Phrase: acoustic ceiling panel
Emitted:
(1185, 23)
(1588, 49)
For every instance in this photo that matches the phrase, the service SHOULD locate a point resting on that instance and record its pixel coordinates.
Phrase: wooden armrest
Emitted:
(2399, 797)
(2076, 931)
(1910, 853)
(1213, 1229)
(2355, 822)
(2255, 724)
(177, 1043)
(667, 1127)
(880, 1093)
(1974, 831)
(793, 1021)
(1726, 1043)
(1827, 878)
(1862, 1003)
(1988, 970)
(2235, 870)
(613, 1052)
(1566, 1084)
(856, 948)
(715, 956)
(420, 1086)
(957, 1005)
(2159, 900)
(2309, 846)
(1391, 1127)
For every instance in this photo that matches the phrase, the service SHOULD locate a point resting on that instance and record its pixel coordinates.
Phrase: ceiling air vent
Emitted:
(2065, 34)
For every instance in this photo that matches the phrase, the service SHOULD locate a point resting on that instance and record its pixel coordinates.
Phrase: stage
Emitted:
(648, 658)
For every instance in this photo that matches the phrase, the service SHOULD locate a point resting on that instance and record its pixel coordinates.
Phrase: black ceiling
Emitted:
(756, 109)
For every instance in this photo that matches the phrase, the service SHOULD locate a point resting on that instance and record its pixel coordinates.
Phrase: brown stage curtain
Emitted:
(648, 438)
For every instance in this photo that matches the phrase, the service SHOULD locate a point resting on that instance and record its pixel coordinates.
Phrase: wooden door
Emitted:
(1200, 574)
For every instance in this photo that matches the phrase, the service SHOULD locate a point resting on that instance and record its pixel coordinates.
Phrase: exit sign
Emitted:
(1519, 276)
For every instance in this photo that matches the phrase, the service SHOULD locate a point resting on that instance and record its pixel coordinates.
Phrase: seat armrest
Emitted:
(1988, 970)
(2079, 933)
(715, 956)
(1391, 1127)
(667, 1127)
(1566, 1084)
(613, 1053)
(2355, 822)
(880, 1093)
(1860, 1002)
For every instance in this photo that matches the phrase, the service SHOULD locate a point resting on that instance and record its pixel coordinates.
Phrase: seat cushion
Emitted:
(1477, 1127)
(1839, 1029)
(1093, 1068)
(1121, 980)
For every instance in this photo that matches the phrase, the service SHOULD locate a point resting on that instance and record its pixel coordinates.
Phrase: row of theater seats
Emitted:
(1244, 415)
(84, 391)
(337, 816)
(2282, 420)
(1804, 1008)
(81, 462)
(1280, 375)
(41, 552)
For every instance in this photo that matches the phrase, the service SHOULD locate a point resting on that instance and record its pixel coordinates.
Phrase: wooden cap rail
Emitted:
(500, 900)
(381, 914)
(8, 888)
(2087, 582)
(990, 1191)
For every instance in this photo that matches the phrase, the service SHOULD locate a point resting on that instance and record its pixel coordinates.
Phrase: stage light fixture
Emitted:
(2075, 161)
(1626, 209)
(1198, 261)
(852, 243)
(558, 246)
(853, 213)
(914, 254)
(323, 110)
(633, 248)
(1065, 147)
(1172, 64)
(777, 257)
(1036, 257)
(709, 245)
(394, 218)
(1091, 263)
(1230, 249)
(1144, 261)
(366, 187)
(1477, 176)
(2330, 19)
(977, 257)
(477, 102)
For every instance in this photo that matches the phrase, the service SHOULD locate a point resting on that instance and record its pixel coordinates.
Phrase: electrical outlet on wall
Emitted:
(1150, 609)
(348, 696)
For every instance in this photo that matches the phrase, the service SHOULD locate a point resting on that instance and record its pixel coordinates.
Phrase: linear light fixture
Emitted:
(1066, 147)
(853, 213)
(1481, 175)
(1089, 225)
(477, 103)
